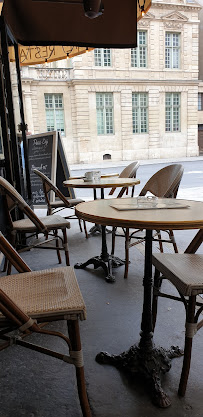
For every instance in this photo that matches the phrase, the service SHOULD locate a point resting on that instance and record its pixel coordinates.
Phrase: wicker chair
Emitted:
(184, 271)
(61, 202)
(30, 299)
(164, 183)
(128, 172)
(32, 224)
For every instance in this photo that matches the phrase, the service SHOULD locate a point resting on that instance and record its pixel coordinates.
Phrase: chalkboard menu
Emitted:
(42, 154)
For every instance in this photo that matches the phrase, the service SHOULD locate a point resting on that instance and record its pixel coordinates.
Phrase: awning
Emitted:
(33, 55)
(63, 22)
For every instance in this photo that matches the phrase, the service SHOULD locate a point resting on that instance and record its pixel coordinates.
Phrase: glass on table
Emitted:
(97, 175)
(149, 201)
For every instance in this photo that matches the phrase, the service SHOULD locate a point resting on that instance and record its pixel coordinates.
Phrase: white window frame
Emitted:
(51, 106)
(139, 113)
(102, 57)
(139, 54)
(172, 50)
(105, 113)
(172, 112)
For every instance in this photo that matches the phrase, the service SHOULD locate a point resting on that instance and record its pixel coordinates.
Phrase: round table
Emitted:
(105, 260)
(145, 358)
(107, 182)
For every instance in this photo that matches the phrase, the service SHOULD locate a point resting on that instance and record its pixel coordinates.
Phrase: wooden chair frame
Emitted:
(63, 202)
(16, 319)
(193, 308)
(12, 200)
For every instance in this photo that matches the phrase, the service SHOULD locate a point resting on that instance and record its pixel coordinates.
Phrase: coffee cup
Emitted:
(89, 175)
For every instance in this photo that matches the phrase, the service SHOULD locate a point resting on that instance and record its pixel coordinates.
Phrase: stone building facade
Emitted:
(125, 104)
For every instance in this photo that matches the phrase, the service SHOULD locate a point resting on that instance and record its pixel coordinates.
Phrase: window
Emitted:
(200, 101)
(104, 105)
(139, 54)
(140, 112)
(54, 112)
(172, 50)
(172, 112)
(102, 57)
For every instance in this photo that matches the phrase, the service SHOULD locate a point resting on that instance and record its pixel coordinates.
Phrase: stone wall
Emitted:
(80, 84)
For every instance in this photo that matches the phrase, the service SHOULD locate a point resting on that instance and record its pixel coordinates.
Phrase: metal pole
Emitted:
(4, 126)
(23, 125)
(9, 105)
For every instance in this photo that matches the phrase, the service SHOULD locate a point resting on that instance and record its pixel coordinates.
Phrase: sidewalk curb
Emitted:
(111, 164)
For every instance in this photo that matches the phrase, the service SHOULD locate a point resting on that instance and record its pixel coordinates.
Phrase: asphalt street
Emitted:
(191, 186)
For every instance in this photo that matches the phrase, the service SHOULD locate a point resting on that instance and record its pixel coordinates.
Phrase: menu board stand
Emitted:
(42, 155)
(63, 171)
(47, 154)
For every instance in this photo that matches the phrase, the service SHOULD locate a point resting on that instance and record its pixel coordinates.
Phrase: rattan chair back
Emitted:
(165, 182)
(128, 172)
(14, 199)
(61, 202)
(48, 186)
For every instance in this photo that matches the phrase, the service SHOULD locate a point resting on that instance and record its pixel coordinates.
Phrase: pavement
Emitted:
(191, 184)
(111, 164)
(34, 385)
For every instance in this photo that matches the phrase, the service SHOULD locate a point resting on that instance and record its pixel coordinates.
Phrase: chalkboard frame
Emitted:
(68, 192)
(1, 144)
(53, 159)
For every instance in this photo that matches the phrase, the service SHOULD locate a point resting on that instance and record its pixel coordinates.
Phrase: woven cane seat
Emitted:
(185, 271)
(43, 294)
(72, 202)
(51, 222)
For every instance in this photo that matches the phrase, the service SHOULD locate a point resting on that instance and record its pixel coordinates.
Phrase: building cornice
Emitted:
(88, 82)
(170, 17)
(177, 6)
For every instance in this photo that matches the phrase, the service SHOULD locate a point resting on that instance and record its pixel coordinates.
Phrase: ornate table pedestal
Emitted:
(106, 261)
(145, 358)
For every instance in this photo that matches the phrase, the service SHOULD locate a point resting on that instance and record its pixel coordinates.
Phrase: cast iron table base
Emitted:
(107, 264)
(149, 363)
(106, 261)
(96, 229)
(145, 358)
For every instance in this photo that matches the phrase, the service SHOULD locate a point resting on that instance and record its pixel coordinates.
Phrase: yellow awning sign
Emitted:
(33, 55)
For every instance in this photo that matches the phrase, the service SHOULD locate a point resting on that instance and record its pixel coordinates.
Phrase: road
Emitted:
(191, 186)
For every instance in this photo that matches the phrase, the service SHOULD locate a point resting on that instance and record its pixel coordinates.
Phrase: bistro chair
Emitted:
(164, 183)
(61, 202)
(32, 224)
(128, 172)
(31, 299)
(184, 271)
